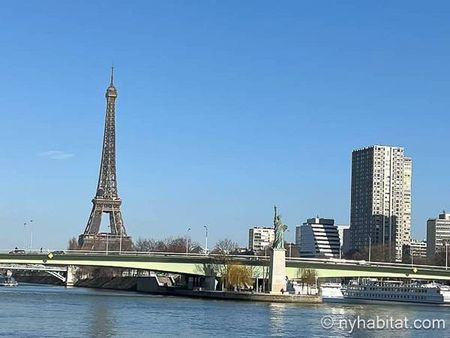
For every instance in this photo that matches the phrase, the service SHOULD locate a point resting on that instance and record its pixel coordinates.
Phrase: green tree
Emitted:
(237, 276)
(308, 278)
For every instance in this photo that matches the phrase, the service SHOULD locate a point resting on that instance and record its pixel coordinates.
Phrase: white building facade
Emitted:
(438, 234)
(418, 248)
(260, 237)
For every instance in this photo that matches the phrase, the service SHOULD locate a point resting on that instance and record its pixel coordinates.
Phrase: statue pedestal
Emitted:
(277, 271)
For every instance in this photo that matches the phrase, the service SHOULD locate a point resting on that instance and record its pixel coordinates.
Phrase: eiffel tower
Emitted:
(106, 199)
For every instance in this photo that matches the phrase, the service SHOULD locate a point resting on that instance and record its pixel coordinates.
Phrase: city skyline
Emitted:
(211, 132)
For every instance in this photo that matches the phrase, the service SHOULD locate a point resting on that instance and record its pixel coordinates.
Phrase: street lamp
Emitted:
(446, 255)
(187, 241)
(120, 240)
(25, 224)
(370, 248)
(25, 230)
(206, 239)
(31, 234)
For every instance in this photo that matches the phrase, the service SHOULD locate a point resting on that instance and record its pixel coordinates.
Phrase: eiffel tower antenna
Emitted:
(112, 76)
(106, 199)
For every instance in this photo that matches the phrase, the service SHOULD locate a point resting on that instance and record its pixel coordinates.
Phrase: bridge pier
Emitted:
(209, 281)
(71, 277)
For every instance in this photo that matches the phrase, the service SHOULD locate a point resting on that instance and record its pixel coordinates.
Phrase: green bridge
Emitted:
(206, 265)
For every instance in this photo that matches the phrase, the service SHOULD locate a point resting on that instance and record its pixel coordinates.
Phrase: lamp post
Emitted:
(25, 230)
(446, 256)
(25, 224)
(206, 239)
(120, 240)
(187, 241)
(107, 238)
(290, 244)
(31, 234)
(370, 248)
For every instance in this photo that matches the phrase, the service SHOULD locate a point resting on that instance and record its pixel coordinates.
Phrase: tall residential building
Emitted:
(318, 237)
(260, 237)
(438, 234)
(381, 199)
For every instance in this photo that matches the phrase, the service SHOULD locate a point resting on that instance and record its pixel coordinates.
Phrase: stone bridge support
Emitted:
(71, 278)
(210, 281)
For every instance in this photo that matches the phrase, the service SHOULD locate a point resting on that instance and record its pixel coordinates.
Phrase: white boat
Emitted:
(8, 281)
(332, 292)
(368, 290)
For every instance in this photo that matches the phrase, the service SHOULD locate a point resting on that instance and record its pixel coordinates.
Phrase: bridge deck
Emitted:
(201, 264)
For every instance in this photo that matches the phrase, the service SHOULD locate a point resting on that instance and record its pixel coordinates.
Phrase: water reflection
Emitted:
(276, 317)
(101, 323)
(56, 312)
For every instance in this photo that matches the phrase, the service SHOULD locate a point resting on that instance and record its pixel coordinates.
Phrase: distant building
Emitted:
(381, 199)
(344, 237)
(438, 234)
(318, 237)
(416, 249)
(260, 237)
(291, 250)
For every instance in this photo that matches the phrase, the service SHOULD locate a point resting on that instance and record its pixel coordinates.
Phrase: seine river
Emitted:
(53, 311)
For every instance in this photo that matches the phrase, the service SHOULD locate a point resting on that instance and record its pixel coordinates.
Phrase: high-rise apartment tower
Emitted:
(381, 199)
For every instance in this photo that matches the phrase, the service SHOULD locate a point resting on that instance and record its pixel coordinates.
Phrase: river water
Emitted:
(53, 311)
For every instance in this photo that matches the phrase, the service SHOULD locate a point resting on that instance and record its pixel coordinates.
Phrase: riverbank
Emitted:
(151, 285)
(242, 296)
(154, 285)
(38, 279)
(111, 283)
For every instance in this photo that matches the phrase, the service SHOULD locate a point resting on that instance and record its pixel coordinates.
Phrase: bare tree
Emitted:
(73, 244)
(170, 244)
(378, 253)
(177, 244)
(225, 247)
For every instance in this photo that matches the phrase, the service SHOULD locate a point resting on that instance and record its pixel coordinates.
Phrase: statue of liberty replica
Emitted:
(277, 270)
(279, 229)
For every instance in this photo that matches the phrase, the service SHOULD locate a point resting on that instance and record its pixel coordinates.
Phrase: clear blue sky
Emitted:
(225, 108)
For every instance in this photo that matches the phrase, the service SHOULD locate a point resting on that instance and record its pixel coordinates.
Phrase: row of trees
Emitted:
(170, 244)
(173, 244)
(378, 253)
(384, 253)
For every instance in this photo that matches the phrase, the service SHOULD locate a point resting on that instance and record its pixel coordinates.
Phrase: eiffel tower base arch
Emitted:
(105, 242)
